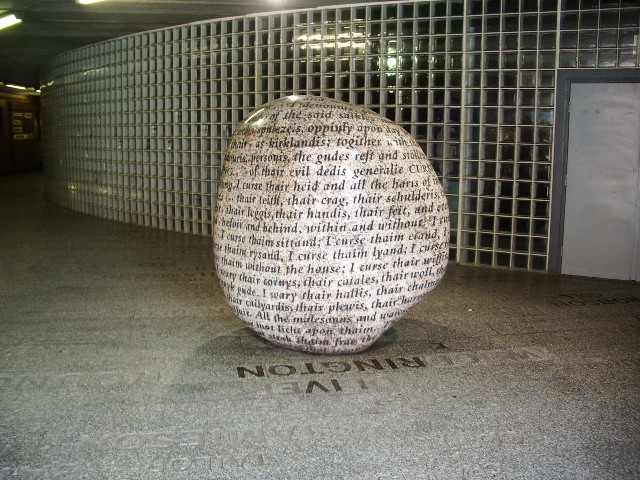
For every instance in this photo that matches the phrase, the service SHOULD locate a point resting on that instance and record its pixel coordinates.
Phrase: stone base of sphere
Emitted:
(330, 224)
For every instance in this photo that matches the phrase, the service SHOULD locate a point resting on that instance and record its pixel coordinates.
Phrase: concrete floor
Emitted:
(119, 359)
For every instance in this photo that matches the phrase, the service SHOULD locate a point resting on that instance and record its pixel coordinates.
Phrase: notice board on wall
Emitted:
(23, 125)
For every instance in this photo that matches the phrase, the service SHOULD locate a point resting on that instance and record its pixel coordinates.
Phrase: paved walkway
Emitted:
(119, 359)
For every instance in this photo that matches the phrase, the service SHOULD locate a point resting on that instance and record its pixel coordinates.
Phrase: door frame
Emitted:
(564, 80)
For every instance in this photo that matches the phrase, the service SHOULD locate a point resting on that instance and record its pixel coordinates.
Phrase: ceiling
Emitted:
(51, 27)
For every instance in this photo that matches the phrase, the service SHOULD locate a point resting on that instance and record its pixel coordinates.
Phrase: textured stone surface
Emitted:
(331, 224)
(121, 360)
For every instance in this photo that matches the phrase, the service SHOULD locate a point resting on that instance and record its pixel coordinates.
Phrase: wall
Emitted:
(135, 128)
(19, 132)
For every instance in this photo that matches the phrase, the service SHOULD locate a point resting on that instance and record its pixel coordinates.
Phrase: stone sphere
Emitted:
(330, 224)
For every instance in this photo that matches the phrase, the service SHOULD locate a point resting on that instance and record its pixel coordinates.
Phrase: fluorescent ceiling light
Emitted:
(19, 87)
(87, 2)
(9, 20)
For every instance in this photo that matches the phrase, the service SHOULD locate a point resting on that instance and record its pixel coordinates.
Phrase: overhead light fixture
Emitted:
(8, 20)
(19, 87)
(87, 2)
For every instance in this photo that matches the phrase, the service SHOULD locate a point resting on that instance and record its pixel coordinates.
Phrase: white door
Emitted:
(601, 219)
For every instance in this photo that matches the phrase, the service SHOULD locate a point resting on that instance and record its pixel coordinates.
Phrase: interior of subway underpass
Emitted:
(121, 359)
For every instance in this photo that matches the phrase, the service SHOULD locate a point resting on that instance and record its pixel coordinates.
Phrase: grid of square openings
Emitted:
(137, 126)
(599, 34)
(148, 116)
(510, 61)
(512, 52)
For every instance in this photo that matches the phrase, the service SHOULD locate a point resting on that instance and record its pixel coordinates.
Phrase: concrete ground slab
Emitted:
(120, 359)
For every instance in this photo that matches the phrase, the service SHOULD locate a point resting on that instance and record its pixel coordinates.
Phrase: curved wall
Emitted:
(134, 128)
